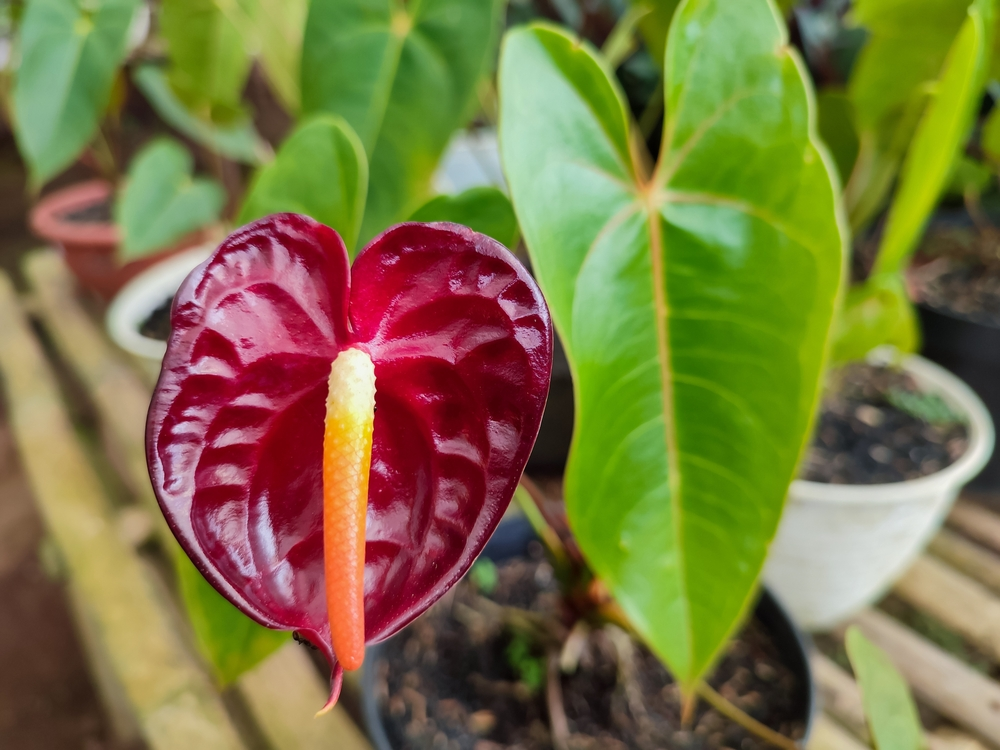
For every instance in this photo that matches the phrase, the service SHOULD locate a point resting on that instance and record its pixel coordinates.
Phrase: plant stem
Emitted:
(749, 723)
(558, 722)
(529, 498)
(688, 705)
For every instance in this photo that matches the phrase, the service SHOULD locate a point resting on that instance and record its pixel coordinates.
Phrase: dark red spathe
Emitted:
(462, 346)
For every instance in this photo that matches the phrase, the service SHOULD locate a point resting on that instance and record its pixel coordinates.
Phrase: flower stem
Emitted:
(731, 712)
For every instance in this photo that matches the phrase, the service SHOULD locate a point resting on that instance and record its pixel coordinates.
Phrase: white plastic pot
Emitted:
(840, 547)
(141, 296)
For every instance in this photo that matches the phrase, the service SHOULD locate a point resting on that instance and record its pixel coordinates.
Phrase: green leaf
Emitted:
(209, 62)
(875, 313)
(889, 707)
(968, 177)
(404, 76)
(655, 25)
(161, 202)
(694, 306)
(990, 138)
(320, 171)
(485, 209)
(907, 44)
(940, 136)
(238, 140)
(228, 640)
(70, 53)
(836, 128)
(280, 27)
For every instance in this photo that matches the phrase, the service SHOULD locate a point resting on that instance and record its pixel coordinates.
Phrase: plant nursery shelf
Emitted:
(152, 681)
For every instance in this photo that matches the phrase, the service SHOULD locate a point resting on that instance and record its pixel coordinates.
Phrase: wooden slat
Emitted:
(952, 739)
(285, 692)
(828, 735)
(839, 695)
(962, 604)
(976, 522)
(975, 561)
(283, 701)
(175, 706)
(950, 687)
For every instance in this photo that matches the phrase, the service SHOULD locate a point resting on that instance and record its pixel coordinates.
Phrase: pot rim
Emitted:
(137, 300)
(958, 396)
(46, 218)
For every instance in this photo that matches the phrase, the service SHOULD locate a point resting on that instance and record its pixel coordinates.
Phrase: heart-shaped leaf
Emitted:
(485, 209)
(320, 171)
(280, 26)
(462, 348)
(70, 52)
(236, 140)
(694, 304)
(161, 201)
(404, 76)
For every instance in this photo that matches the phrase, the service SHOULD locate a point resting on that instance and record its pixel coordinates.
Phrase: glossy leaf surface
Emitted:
(70, 52)
(484, 209)
(462, 348)
(227, 639)
(320, 171)
(237, 140)
(162, 201)
(404, 76)
(889, 707)
(694, 305)
(939, 138)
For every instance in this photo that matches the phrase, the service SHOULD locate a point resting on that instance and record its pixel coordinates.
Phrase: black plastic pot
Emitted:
(511, 539)
(972, 352)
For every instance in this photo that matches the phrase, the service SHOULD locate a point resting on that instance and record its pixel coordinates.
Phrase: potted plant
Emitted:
(848, 534)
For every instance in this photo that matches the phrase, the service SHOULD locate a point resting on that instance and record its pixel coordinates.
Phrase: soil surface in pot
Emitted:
(460, 679)
(877, 426)
(958, 273)
(157, 325)
(95, 213)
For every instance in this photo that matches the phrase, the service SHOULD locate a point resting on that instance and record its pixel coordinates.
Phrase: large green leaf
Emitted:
(836, 128)
(404, 76)
(694, 305)
(908, 42)
(280, 26)
(939, 138)
(655, 25)
(875, 313)
(209, 61)
(161, 201)
(228, 640)
(889, 707)
(237, 140)
(485, 209)
(320, 171)
(70, 53)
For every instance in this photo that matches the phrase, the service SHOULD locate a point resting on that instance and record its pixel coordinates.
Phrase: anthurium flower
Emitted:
(333, 446)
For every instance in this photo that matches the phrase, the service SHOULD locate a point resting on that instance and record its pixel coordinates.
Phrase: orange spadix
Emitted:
(347, 456)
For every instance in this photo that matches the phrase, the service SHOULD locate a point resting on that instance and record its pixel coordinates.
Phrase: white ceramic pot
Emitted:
(141, 296)
(840, 547)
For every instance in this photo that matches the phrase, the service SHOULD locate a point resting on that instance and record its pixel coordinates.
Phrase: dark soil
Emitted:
(958, 273)
(95, 213)
(157, 325)
(459, 679)
(877, 426)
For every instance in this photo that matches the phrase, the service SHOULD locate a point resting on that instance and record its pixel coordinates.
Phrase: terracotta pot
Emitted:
(90, 248)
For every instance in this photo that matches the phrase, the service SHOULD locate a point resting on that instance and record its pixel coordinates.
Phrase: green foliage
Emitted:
(889, 707)
(940, 136)
(990, 138)
(237, 140)
(929, 407)
(655, 25)
(530, 669)
(280, 25)
(228, 640)
(968, 177)
(485, 576)
(70, 53)
(908, 42)
(161, 201)
(209, 62)
(319, 171)
(836, 128)
(694, 305)
(404, 76)
(874, 313)
(485, 209)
